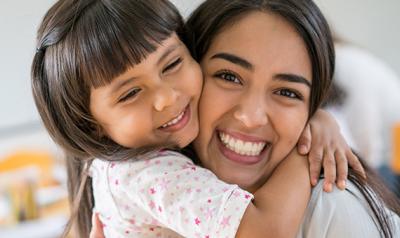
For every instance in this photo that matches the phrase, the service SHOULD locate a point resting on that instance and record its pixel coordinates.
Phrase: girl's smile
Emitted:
(154, 102)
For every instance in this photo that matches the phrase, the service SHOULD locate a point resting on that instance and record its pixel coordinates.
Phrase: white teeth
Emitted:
(242, 147)
(174, 121)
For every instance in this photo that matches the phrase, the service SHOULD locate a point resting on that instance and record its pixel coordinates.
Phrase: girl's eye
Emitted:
(173, 65)
(228, 76)
(289, 93)
(132, 93)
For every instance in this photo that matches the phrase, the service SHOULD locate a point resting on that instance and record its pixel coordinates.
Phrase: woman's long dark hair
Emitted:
(213, 16)
(84, 44)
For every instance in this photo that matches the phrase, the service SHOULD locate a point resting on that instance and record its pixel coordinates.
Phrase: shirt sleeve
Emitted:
(183, 197)
(339, 214)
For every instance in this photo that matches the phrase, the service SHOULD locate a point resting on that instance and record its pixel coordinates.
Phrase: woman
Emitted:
(268, 66)
(250, 51)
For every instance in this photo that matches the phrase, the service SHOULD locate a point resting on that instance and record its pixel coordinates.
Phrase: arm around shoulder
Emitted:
(279, 205)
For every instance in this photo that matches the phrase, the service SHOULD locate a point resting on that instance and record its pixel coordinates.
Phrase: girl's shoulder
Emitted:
(151, 162)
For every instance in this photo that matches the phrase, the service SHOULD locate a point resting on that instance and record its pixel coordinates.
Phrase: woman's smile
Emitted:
(255, 98)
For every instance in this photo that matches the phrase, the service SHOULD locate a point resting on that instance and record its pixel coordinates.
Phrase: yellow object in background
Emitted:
(20, 159)
(396, 149)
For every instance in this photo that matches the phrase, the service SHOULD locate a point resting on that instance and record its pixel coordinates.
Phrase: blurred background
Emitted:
(366, 102)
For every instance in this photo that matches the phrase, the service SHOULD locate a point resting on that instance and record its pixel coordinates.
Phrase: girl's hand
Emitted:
(325, 146)
(97, 227)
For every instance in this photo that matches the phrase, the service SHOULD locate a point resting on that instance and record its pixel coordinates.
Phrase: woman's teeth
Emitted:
(174, 121)
(242, 147)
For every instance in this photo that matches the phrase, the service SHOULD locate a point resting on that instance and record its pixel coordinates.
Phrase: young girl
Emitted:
(114, 85)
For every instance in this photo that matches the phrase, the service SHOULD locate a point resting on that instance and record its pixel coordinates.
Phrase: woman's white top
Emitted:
(341, 214)
(163, 194)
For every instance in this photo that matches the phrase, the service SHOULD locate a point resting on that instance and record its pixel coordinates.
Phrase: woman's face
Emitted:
(255, 99)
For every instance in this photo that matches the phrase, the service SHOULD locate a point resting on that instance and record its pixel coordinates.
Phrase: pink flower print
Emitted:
(116, 182)
(160, 209)
(236, 193)
(152, 205)
(164, 184)
(126, 232)
(132, 221)
(197, 221)
(151, 228)
(198, 190)
(207, 236)
(182, 209)
(209, 201)
(157, 162)
(209, 213)
(225, 189)
(112, 165)
(189, 190)
(154, 222)
(247, 196)
(152, 191)
(170, 163)
(225, 222)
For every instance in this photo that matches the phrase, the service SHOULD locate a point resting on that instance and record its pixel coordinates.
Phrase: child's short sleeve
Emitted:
(170, 191)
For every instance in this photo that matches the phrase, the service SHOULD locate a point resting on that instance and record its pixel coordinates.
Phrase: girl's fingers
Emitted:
(304, 144)
(315, 159)
(355, 163)
(342, 170)
(329, 164)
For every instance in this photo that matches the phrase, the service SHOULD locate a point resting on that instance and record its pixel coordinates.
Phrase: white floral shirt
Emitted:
(163, 194)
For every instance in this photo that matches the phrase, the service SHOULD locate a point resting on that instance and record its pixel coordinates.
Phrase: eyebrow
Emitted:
(234, 59)
(168, 51)
(292, 78)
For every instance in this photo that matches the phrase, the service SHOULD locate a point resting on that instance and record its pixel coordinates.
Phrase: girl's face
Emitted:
(154, 102)
(255, 99)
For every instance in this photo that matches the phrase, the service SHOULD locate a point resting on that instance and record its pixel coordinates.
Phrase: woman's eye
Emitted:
(132, 93)
(289, 93)
(228, 76)
(172, 65)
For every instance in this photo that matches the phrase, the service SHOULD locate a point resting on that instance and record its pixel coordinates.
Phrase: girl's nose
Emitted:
(165, 97)
(252, 112)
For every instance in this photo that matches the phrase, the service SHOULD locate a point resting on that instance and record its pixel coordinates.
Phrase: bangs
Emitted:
(116, 36)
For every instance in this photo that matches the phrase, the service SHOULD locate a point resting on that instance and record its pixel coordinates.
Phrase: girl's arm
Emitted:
(278, 206)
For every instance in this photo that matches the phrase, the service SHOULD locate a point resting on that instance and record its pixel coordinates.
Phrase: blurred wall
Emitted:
(371, 24)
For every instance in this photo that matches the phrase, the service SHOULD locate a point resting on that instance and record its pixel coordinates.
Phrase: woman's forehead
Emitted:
(264, 39)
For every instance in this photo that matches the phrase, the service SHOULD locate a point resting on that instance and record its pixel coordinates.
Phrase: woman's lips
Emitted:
(177, 123)
(241, 151)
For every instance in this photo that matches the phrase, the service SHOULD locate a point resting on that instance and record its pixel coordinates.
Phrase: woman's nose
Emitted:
(252, 113)
(165, 97)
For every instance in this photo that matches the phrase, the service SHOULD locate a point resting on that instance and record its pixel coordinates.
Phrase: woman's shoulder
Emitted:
(340, 214)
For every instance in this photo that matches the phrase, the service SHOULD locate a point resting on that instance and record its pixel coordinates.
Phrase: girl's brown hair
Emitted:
(84, 44)
(213, 16)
